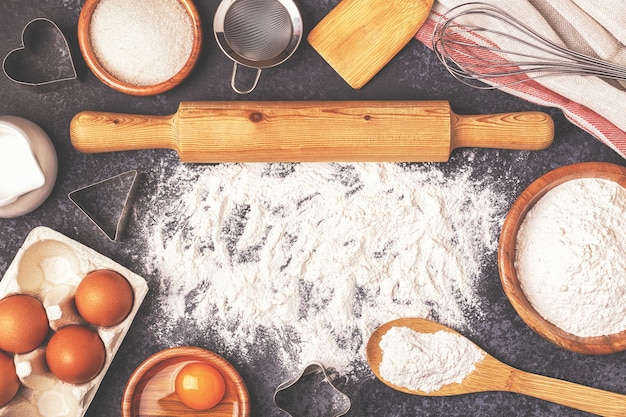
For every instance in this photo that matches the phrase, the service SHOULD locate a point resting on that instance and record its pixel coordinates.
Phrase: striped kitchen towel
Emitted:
(594, 27)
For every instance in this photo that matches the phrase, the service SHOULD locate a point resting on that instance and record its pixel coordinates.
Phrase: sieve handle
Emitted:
(233, 81)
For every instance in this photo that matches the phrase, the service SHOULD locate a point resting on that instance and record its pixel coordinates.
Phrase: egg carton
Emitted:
(49, 266)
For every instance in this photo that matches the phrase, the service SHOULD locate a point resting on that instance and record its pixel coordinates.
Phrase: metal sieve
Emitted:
(257, 34)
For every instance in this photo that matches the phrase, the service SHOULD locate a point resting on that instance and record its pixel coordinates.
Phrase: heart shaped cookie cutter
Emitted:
(44, 60)
(322, 392)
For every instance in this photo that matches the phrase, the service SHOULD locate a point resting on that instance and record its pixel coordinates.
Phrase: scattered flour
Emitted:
(426, 361)
(571, 257)
(316, 256)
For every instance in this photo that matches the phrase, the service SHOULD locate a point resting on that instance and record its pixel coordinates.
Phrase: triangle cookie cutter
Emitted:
(97, 200)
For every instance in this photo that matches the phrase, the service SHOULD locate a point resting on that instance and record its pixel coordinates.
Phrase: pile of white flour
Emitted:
(316, 256)
(571, 257)
(426, 361)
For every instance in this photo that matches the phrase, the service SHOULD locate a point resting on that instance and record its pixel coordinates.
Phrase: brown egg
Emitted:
(75, 354)
(104, 298)
(23, 322)
(9, 382)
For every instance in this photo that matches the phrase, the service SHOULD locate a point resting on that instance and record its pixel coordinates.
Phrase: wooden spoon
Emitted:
(493, 375)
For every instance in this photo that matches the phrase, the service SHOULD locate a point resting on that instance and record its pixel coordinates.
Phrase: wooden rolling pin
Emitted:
(308, 131)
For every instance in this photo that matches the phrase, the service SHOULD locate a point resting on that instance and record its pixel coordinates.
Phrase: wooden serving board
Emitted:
(359, 37)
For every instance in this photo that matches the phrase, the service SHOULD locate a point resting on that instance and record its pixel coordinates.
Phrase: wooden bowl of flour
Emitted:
(138, 48)
(512, 277)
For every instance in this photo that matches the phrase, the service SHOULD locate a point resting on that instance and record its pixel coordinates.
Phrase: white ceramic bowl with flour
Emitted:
(562, 257)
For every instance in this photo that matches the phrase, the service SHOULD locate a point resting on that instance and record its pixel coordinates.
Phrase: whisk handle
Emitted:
(518, 130)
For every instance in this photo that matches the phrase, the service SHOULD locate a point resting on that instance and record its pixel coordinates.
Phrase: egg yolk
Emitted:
(200, 386)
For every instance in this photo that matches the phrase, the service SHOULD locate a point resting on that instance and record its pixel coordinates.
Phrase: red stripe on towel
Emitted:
(583, 117)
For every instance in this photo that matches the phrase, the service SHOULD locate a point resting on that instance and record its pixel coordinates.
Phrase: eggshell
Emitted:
(9, 382)
(104, 298)
(75, 354)
(23, 322)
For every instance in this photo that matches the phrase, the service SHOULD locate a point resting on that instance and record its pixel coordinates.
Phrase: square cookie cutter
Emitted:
(322, 392)
(44, 60)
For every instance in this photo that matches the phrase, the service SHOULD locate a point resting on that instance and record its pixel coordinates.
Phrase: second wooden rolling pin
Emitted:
(310, 131)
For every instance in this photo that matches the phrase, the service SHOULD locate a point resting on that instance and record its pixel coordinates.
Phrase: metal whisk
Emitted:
(504, 51)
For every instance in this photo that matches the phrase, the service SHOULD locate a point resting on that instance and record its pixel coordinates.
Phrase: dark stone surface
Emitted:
(414, 74)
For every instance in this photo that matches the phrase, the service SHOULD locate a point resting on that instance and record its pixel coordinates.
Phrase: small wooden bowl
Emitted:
(150, 389)
(86, 49)
(506, 258)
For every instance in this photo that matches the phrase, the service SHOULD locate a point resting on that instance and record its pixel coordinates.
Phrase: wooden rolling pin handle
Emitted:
(94, 132)
(516, 130)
